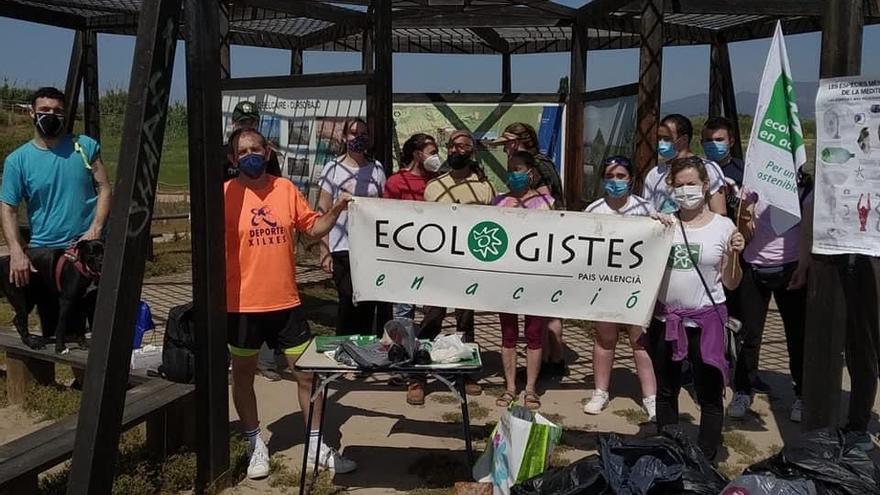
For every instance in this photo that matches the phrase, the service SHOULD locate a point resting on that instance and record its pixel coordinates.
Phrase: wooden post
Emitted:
(103, 400)
(225, 56)
(715, 78)
(728, 97)
(22, 372)
(825, 333)
(203, 73)
(91, 95)
(296, 61)
(650, 75)
(74, 78)
(574, 148)
(506, 74)
(383, 118)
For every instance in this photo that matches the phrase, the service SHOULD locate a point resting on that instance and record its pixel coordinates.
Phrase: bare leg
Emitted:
(243, 370)
(533, 367)
(644, 367)
(554, 340)
(303, 392)
(603, 354)
(508, 361)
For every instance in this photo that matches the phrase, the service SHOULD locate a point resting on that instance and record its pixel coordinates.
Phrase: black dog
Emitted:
(58, 289)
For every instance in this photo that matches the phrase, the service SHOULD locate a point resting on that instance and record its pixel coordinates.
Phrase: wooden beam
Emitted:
(738, 7)
(728, 95)
(383, 118)
(492, 39)
(574, 131)
(91, 95)
(506, 76)
(296, 61)
(299, 81)
(650, 76)
(601, 8)
(40, 15)
(326, 35)
(74, 80)
(826, 319)
(225, 41)
(128, 228)
(311, 10)
(205, 19)
(470, 20)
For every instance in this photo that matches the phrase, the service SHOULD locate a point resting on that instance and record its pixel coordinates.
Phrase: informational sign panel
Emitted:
(847, 202)
(546, 263)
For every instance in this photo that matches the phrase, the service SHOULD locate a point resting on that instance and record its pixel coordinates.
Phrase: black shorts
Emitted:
(286, 330)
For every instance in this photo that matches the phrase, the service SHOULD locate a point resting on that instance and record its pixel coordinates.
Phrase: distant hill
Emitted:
(746, 102)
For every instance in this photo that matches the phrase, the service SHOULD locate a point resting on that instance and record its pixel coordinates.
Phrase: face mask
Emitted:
(252, 165)
(357, 144)
(458, 162)
(49, 124)
(715, 150)
(615, 188)
(517, 181)
(666, 149)
(689, 197)
(432, 163)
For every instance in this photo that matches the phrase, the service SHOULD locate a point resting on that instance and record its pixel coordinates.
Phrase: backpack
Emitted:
(178, 347)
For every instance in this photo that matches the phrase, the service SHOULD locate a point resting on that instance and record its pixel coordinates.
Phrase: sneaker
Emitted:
(797, 411)
(760, 386)
(332, 460)
(258, 464)
(415, 393)
(739, 405)
(597, 402)
(270, 375)
(650, 405)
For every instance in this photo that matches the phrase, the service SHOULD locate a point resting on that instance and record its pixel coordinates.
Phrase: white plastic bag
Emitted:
(147, 357)
(447, 349)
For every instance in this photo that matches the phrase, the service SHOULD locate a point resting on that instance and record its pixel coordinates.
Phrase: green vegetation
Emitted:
(476, 411)
(633, 416)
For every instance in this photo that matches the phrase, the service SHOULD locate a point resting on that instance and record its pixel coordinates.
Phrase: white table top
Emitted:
(314, 361)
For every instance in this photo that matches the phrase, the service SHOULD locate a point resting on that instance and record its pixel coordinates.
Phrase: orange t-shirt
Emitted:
(260, 245)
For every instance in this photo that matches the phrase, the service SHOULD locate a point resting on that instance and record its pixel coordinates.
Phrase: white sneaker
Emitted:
(650, 405)
(258, 464)
(739, 405)
(332, 460)
(797, 411)
(597, 402)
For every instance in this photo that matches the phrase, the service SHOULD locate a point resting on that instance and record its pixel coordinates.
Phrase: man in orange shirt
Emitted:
(263, 213)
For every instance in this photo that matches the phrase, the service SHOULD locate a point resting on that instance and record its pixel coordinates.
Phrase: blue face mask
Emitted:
(517, 181)
(253, 165)
(666, 149)
(615, 188)
(715, 151)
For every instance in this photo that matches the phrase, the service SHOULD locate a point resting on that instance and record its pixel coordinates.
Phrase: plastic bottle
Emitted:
(836, 155)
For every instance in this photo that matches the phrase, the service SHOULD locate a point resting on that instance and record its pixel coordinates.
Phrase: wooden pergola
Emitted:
(377, 29)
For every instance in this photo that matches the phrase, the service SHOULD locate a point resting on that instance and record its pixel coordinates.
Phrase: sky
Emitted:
(41, 54)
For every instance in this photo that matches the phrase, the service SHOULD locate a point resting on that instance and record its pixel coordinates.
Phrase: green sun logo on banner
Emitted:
(487, 241)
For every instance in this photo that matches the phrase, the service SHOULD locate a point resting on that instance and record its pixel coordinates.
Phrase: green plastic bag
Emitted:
(518, 449)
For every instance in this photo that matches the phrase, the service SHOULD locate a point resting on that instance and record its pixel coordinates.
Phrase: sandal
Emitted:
(531, 401)
(505, 400)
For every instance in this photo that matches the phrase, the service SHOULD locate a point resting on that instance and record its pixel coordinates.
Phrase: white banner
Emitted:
(776, 147)
(546, 263)
(846, 217)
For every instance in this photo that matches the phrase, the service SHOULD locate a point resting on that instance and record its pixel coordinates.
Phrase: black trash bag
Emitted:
(668, 463)
(829, 459)
(583, 477)
(401, 338)
(767, 484)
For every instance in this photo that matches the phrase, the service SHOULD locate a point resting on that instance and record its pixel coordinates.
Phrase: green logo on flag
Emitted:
(781, 126)
(487, 241)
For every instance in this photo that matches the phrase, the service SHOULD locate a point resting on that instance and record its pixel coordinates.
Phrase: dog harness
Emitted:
(71, 255)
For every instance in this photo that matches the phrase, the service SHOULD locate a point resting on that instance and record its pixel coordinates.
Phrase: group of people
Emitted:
(725, 264)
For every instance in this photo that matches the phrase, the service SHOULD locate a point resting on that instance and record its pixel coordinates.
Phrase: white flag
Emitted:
(776, 147)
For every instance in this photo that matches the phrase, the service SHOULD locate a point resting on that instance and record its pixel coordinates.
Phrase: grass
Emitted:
(171, 258)
(51, 402)
(633, 416)
(476, 411)
(739, 443)
(444, 399)
(730, 470)
(281, 476)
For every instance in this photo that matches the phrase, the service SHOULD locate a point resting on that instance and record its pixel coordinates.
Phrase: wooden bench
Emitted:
(26, 366)
(165, 406)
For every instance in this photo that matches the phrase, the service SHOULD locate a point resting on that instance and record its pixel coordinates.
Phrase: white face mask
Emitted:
(689, 197)
(432, 163)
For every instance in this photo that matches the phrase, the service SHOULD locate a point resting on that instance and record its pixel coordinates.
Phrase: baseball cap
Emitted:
(245, 110)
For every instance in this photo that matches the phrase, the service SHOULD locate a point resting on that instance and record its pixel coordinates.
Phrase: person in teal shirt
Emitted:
(61, 179)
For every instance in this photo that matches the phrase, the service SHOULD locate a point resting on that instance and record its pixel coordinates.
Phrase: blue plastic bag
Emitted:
(143, 324)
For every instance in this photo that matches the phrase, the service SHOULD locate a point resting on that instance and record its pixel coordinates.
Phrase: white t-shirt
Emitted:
(681, 286)
(635, 207)
(365, 181)
(659, 193)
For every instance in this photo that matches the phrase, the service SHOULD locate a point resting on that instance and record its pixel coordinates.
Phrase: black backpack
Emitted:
(178, 347)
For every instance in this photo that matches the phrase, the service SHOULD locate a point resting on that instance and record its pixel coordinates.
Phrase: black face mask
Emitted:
(458, 162)
(48, 124)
